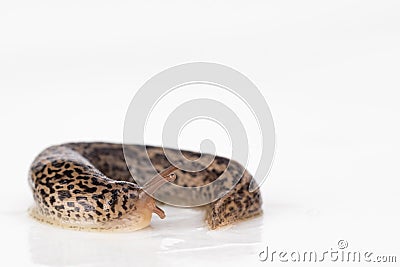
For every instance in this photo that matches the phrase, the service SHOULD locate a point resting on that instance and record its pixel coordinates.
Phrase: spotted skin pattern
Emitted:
(89, 186)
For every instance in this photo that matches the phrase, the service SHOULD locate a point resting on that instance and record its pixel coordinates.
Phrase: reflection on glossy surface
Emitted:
(182, 236)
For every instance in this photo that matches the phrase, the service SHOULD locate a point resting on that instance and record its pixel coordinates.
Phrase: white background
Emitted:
(328, 69)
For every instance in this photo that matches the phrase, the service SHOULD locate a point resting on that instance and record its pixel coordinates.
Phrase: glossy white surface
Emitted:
(178, 239)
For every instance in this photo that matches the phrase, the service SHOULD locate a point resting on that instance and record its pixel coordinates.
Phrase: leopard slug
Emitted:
(88, 186)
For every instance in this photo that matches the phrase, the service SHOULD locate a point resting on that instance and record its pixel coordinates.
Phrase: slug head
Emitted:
(145, 200)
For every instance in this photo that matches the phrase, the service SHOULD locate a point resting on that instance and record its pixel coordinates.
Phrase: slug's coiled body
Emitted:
(88, 186)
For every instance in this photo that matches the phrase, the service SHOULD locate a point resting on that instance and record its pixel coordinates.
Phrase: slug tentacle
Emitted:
(156, 182)
(151, 187)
